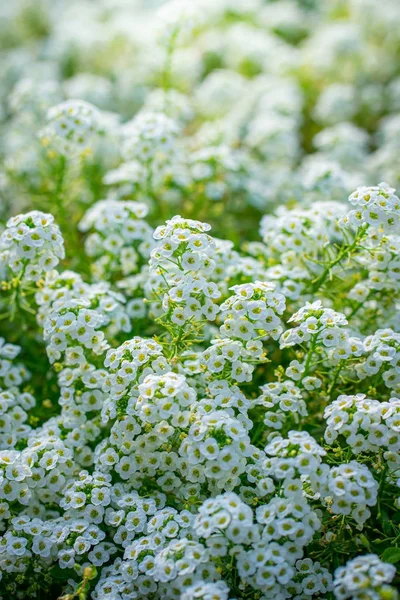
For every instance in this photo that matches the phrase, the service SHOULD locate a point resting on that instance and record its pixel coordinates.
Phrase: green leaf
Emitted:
(391, 555)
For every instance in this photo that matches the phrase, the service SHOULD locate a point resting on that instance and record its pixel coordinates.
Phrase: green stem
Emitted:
(345, 251)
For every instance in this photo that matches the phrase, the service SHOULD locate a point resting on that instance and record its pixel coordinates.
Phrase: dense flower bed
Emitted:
(205, 406)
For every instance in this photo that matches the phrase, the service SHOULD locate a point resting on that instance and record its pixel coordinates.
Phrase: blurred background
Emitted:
(244, 105)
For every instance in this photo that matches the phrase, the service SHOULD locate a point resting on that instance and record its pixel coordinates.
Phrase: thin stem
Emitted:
(345, 251)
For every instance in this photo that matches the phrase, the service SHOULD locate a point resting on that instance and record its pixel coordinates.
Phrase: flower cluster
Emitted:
(71, 127)
(34, 477)
(365, 575)
(366, 425)
(294, 238)
(120, 238)
(383, 357)
(252, 312)
(250, 315)
(353, 489)
(75, 317)
(126, 366)
(149, 138)
(31, 245)
(283, 401)
(15, 401)
(377, 207)
(216, 450)
(181, 264)
(316, 323)
(200, 397)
